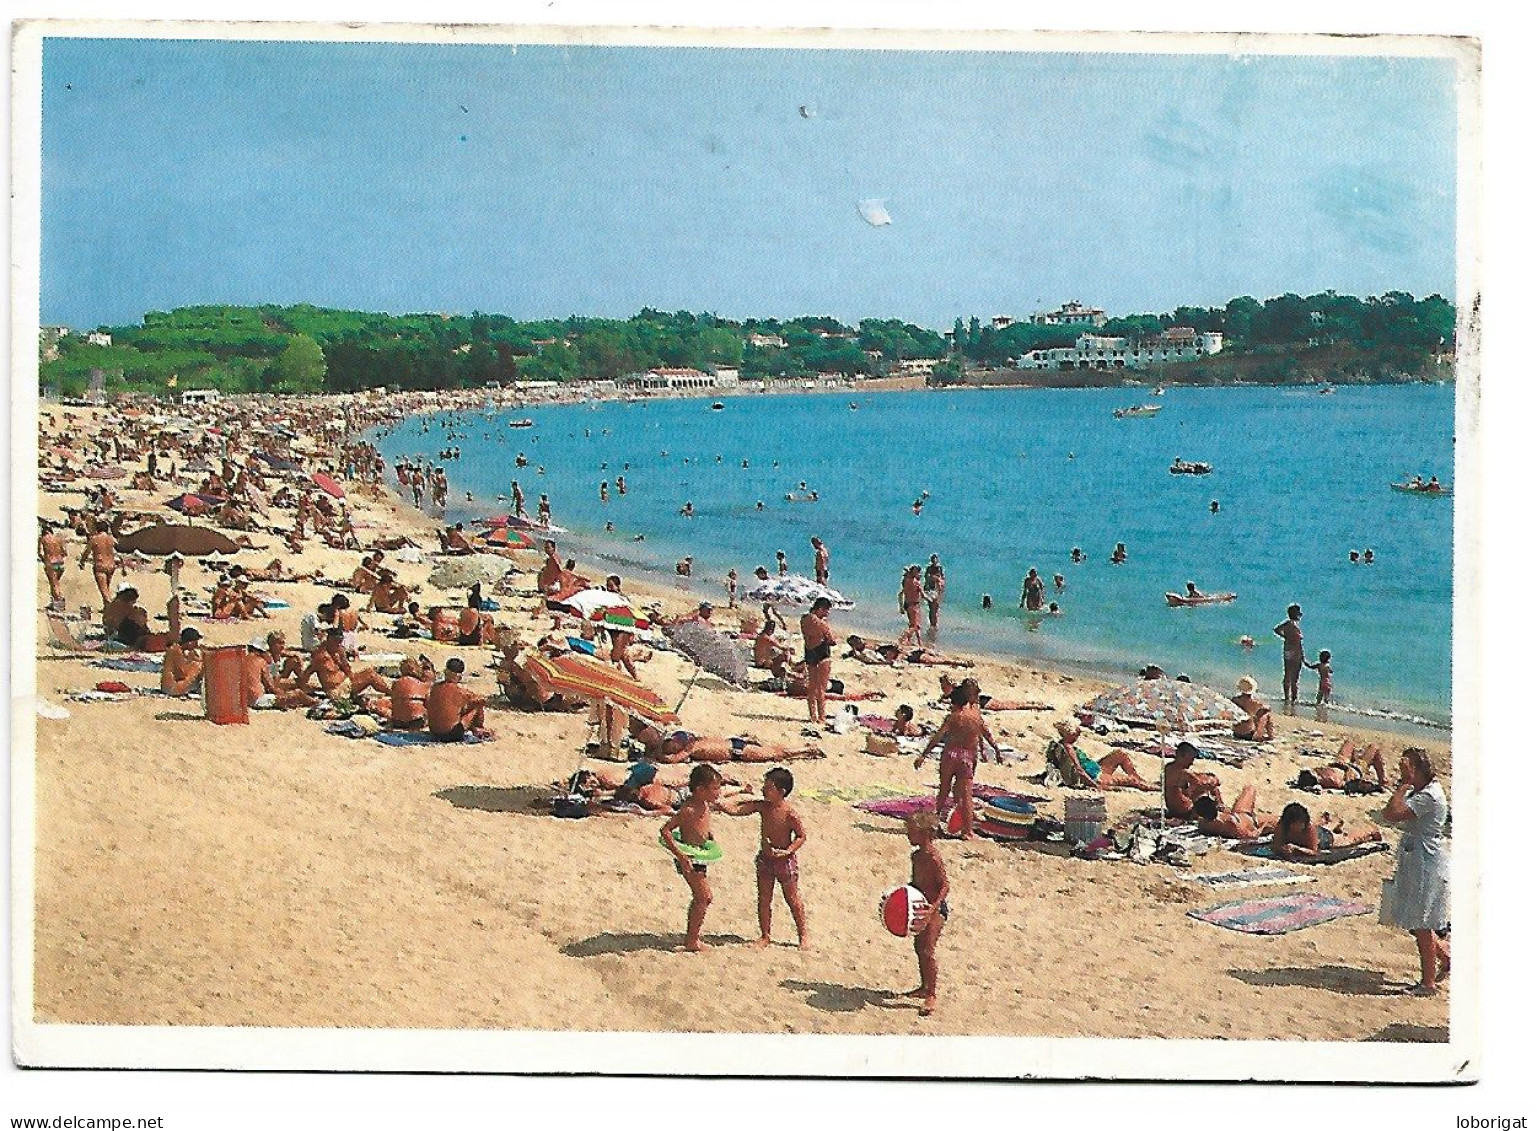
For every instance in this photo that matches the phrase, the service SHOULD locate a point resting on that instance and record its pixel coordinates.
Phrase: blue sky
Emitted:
(546, 181)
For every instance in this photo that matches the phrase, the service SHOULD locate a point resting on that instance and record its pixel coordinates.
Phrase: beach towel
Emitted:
(903, 807)
(1332, 856)
(1279, 915)
(1251, 877)
(128, 664)
(879, 724)
(418, 738)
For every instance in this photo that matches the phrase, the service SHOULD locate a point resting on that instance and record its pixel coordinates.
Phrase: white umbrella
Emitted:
(795, 591)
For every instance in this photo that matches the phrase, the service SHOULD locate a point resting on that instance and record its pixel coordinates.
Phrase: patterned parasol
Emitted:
(1167, 703)
(715, 652)
(794, 591)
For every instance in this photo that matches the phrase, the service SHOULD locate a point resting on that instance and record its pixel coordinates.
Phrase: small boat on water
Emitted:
(1137, 410)
(1180, 467)
(524, 423)
(853, 406)
(1327, 390)
(1436, 492)
(1183, 600)
(1158, 392)
(716, 406)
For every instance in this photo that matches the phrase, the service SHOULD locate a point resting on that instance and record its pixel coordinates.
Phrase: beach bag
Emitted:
(881, 745)
(1385, 908)
(572, 806)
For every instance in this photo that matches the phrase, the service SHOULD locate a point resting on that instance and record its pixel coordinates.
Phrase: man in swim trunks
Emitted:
(338, 679)
(551, 573)
(453, 710)
(819, 641)
(934, 588)
(1181, 785)
(181, 669)
(272, 676)
(822, 558)
(768, 652)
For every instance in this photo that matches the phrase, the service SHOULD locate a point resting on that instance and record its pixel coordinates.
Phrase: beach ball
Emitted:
(899, 907)
(953, 822)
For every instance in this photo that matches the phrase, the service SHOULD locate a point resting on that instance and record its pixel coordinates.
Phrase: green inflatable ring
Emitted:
(709, 853)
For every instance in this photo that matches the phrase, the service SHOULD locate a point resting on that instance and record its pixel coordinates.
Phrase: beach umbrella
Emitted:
(621, 618)
(588, 680)
(505, 539)
(463, 572)
(279, 463)
(517, 523)
(1165, 703)
(589, 602)
(327, 484)
(794, 591)
(167, 538)
(191, 505)
(711, 651)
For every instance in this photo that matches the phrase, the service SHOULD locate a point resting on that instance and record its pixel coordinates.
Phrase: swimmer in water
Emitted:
(1215, 506)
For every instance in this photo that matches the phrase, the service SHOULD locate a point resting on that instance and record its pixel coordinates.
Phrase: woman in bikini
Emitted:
(961, 735)
(1296, 836)
(912, 603)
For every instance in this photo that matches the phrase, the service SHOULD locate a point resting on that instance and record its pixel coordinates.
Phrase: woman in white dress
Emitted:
(1420, 892)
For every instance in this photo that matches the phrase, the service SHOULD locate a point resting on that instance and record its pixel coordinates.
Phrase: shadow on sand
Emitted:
(1339, 979)
(528, 799)
(180, 717)
(833, 998)
(619, 942)
(1412, 1034)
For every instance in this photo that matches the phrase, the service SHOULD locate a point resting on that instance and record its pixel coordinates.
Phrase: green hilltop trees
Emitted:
(307, 348)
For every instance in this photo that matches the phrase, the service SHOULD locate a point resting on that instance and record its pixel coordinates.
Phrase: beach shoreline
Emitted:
(275, 875)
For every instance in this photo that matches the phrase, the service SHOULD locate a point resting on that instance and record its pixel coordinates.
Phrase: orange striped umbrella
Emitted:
(577, 677)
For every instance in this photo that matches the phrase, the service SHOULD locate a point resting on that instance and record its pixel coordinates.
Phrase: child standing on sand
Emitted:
(692, 825)
(783, 836)
(1325, 670)
(928, 877)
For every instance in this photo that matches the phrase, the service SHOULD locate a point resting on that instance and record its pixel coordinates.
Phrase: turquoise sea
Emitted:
(1017, 478)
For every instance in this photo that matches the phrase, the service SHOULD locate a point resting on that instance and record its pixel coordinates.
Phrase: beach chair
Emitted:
(61, 637)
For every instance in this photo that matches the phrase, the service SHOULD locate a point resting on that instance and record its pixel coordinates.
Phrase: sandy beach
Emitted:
(273, 874)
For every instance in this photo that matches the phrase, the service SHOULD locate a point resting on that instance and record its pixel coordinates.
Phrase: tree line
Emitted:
(310, 349)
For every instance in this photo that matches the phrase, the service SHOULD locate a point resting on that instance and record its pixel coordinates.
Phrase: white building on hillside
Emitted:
(1071, 314)
(915, 367)
(1093, 351)
(671, 379)
(98, 338)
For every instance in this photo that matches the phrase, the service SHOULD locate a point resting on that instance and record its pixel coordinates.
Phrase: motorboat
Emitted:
(1180, 467)
(524, 423)
(1137, 410)
(1425, 489)
(717, 406)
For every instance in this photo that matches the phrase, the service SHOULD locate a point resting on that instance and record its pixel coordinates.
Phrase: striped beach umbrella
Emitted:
(621, 617)
(587, 680)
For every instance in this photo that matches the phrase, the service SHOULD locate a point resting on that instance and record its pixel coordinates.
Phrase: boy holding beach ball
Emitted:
(930, 878)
